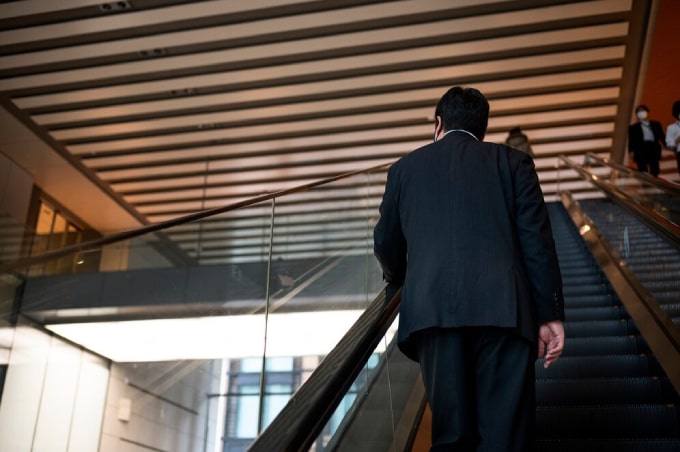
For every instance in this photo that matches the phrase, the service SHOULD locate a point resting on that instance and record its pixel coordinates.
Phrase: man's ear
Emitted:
(438, 126)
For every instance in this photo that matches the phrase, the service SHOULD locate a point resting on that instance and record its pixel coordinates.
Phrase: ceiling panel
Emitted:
(173, 106)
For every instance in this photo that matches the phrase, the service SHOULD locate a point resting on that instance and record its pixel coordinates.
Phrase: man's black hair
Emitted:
(676, 109)
(464, 108)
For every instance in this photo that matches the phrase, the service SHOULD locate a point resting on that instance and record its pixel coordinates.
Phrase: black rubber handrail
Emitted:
(657, 221)
(303, 418)
(156, 227)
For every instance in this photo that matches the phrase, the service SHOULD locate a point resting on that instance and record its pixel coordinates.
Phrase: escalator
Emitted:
(655, 261)
(607, 392)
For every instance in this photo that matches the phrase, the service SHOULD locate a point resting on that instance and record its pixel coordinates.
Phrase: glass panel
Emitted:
(379, 408)
(656, 194)
(323, 273)
(653, 259)
(169, 327)
(139, 336)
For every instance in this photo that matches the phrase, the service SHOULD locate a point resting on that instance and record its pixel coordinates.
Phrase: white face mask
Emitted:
(642, 115)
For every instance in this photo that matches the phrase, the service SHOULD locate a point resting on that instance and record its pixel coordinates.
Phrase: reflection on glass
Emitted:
(159, 341)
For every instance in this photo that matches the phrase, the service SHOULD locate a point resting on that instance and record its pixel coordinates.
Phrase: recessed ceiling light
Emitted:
(115, 6)
(148, 53)
(182, 92)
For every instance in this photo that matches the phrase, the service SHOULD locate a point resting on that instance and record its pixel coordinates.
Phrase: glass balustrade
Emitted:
(655, 194)
(192, 337)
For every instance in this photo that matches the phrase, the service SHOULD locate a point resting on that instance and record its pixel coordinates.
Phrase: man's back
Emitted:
(464, 230)
(457, 200)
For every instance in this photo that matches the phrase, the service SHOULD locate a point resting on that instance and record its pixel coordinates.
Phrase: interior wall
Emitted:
(661, 87)
(161, 406)
(16, 186)
(53, 397)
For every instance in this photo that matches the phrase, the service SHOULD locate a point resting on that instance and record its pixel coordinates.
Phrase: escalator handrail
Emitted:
(645, 177)
(669, 230)
(303, 418)
(157, 227)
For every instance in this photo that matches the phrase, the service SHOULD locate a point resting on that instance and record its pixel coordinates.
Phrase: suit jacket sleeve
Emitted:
(632, 138)
(388, 237)
(537, 244)
(658, 132)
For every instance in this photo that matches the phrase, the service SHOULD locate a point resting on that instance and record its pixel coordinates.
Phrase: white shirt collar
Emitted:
(460, 130)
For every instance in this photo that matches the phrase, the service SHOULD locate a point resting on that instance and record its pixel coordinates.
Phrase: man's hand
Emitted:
(550, 342)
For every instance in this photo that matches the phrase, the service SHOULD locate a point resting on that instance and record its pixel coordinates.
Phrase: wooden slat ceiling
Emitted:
(173, 106)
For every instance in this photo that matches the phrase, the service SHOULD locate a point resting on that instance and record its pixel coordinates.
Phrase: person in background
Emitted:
(645, 139)
(518, 140)
(465, 233)
(673, 133)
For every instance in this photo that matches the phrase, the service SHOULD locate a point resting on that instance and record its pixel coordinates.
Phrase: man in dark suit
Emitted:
(644, 141)
(465, 232)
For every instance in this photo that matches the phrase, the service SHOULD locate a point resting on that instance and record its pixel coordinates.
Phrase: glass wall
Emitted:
(192, 338)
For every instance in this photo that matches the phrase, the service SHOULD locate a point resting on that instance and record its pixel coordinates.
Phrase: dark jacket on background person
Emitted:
(637, 144)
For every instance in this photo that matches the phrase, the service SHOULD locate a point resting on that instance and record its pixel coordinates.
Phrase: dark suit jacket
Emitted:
(470, 220)
(636, 140)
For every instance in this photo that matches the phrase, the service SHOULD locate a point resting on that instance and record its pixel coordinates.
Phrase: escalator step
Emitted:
(577, 271)
(667, 297)
(579, 256)
(664, 271)
(578, 301)
(609, 391)
(673, 309)
(575, 264)
(672, 268)
(597, 328)
(575, 314)
(595, 367)
(643, 421)
(662, 250)
(610, 445)
(662, 285)
(604, 388)
(605, 345)
(662, 275)
(644, 261)
(591, 279)
(586, 289)
(666, 300)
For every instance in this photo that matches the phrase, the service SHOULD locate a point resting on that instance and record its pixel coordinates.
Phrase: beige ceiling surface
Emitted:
(168, 107)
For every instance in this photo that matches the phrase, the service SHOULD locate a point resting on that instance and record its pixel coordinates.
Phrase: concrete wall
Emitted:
(53, 396)
(161, 406)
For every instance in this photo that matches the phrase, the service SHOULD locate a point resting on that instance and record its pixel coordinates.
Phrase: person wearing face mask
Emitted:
(645, 138)
(673, 133)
